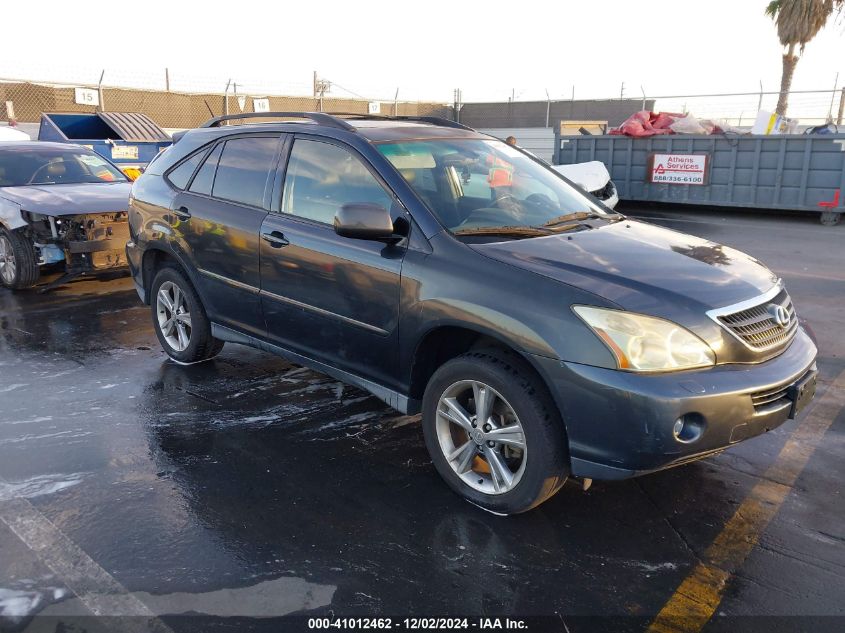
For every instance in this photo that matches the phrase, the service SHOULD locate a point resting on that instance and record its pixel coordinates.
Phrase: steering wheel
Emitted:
(504, 197)
(540, 200)
(37, 172)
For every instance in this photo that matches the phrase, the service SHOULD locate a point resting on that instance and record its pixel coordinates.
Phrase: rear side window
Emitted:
(205, 176)
(321, 178)
(244, 167)
(180, 176)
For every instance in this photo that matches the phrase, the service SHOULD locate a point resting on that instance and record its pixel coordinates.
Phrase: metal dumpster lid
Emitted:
(134, 126)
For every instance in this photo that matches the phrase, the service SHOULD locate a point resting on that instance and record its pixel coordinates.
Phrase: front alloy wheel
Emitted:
(493, 431)
(481, 437)
(174, 316)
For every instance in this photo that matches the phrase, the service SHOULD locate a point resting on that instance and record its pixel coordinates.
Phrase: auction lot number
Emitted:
(417, 624)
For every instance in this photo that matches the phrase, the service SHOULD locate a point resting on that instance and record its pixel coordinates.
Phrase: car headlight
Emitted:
(644, 343)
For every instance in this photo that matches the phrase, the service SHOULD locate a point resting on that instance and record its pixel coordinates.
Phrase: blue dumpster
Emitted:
(128, 139)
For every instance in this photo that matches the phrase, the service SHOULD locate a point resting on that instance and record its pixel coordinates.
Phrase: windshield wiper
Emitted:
(514, 231)
(569, 218)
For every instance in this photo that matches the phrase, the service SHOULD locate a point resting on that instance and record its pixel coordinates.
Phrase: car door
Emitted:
(219, 217)
(331, 298)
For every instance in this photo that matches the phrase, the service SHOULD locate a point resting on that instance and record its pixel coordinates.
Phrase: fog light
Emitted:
(688, 428)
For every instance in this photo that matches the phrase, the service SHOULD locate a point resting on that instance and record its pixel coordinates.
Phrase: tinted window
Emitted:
(321, 178)
(243, 170)
(205, 176)
(180, 176)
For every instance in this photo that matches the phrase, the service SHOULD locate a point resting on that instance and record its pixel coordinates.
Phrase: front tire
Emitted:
(494, 433)
(179, 319)
(18, 261)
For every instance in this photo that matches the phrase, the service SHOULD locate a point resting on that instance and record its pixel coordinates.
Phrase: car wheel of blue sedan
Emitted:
(18, 262)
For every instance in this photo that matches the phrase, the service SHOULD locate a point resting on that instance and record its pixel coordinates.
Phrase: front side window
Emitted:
(474, 185)
(322, 177)
(244, 167)
(39, 166)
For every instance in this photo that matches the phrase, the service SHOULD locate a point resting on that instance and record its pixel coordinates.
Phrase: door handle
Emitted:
(182, 213)
(276, 239)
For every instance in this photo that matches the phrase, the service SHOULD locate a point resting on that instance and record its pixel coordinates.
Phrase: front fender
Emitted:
(10, 215)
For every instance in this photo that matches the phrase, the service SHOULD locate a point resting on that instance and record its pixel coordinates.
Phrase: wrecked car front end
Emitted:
(62, 207)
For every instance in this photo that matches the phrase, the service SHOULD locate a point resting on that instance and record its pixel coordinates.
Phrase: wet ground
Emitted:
(249, 487)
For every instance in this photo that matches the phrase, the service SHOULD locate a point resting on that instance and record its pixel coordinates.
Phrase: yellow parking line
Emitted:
(698, 596)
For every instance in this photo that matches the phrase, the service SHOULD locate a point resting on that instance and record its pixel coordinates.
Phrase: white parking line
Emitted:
(98, 590)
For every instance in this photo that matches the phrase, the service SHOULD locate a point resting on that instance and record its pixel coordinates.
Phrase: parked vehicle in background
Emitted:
(11, 134)
(593, 178)
(59, 203)
(540, 334)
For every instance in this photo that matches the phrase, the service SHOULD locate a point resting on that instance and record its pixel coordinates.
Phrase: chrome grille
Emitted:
(757, 327)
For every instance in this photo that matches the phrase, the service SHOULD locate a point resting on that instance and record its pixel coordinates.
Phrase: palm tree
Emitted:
(798, 21)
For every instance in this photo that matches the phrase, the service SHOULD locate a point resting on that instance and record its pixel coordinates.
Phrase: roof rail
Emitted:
(318, 117)
(334, 120)
(434, 120)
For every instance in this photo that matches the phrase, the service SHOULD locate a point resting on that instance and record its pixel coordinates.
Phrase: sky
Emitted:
(490, 49)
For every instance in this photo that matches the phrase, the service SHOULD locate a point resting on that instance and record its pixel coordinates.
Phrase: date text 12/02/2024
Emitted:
(414, 624)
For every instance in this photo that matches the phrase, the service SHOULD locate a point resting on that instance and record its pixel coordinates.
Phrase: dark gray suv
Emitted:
(541, 335)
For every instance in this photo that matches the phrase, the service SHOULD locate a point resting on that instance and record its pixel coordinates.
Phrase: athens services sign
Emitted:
(678, 169)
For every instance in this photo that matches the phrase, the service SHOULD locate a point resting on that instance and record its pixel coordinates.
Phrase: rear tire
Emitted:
(18, 261)
(520, 457)
(181, 324)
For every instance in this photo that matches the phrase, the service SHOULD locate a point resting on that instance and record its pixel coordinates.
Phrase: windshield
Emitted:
(486, 186)
(39, 166)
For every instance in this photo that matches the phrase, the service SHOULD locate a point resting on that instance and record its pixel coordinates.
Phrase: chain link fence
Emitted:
(177, 110)
(809, 107)
(186, 108)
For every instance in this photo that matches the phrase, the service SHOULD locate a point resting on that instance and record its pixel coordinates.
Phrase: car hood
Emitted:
(59, 200)
(641, 267)
(590, 176)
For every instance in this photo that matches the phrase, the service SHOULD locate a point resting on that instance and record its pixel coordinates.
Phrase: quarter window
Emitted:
(244, 167)
(322, 177)
(180, 176)
(205, 176)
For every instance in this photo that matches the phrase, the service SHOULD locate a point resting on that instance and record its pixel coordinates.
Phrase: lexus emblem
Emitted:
(780, 315)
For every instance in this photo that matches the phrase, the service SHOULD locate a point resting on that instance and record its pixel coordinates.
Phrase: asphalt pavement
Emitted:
(254, 489)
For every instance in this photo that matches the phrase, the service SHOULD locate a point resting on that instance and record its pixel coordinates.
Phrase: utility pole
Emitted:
(321, 87)
(226, 99)
(622, 91)
(832, 97)
(102, 106)
(167, 79)
(548, 106)
(841, 108)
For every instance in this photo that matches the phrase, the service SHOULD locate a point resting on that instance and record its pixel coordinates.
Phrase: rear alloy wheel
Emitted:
(493, 431)
(18, 261)
(174, 316)
(181, 325)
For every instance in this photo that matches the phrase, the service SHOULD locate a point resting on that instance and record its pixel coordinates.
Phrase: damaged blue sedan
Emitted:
(59, 203)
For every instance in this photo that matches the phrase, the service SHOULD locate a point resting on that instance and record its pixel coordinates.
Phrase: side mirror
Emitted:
(364, 221)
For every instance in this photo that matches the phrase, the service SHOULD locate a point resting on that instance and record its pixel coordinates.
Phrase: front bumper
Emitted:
(620, 423)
